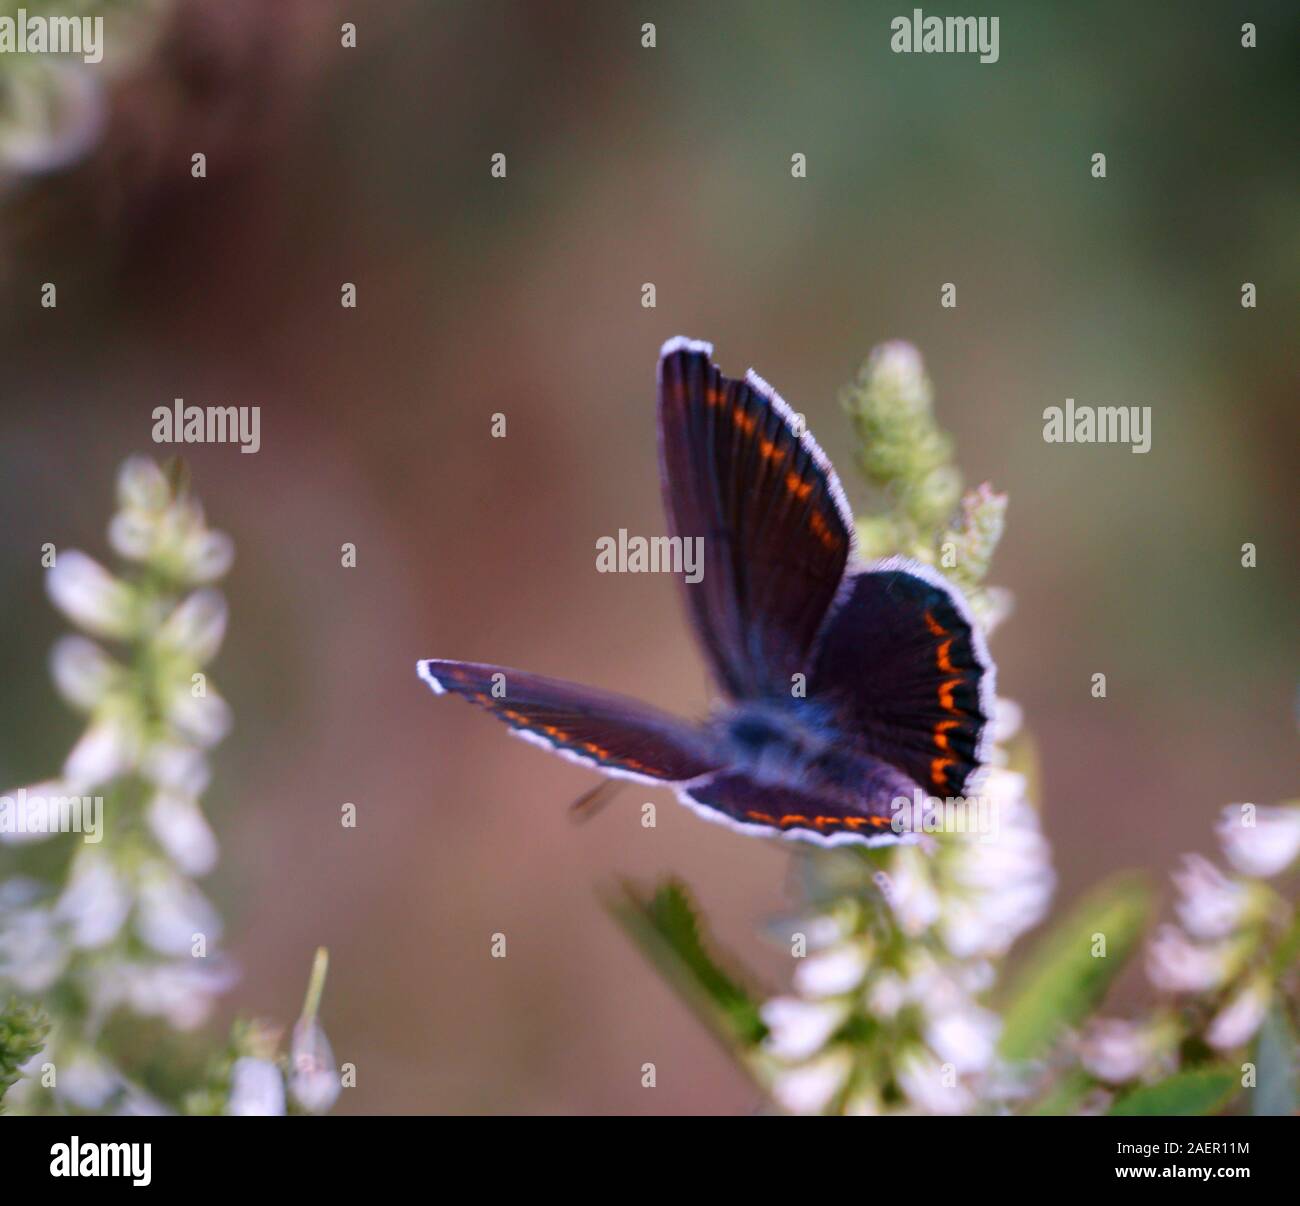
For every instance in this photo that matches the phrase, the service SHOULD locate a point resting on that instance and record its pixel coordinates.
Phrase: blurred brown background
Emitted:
(522, 296)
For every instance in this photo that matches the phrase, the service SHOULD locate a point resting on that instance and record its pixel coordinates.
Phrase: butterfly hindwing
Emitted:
(769, 509)
(809, 810)
(907, 672)
(610, 733)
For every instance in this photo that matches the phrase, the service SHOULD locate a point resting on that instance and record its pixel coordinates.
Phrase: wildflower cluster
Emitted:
(122, 925)
(118, 926)
(1233, 956)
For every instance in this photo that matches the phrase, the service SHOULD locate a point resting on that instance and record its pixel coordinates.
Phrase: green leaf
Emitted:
(1065, 1097)
(1199, 1091)
(668, 931)
(1275, 1058)
(1064, 980)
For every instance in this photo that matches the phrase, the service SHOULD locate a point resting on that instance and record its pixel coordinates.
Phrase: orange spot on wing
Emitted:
(822, 531)
(945, 664)
(795, 485)
(941, 732)
(937, 767)
(936, 629)
(874, 822)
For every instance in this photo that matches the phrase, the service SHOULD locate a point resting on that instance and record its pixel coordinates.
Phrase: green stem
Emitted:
(316, 985)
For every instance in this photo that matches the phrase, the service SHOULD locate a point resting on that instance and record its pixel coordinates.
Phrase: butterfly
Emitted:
(849, 688)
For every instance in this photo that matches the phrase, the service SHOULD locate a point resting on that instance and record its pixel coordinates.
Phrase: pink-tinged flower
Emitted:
(95, 902)
(798, 1029)
(1210, 905)
(886, 995)
(313, 1074)
(1115, 1050)
(932, 1087)
(203, 719)
(142, 486)
(182, 991)
(911, 893)
(172, 911)
(256, 1089)
(32, 956)
(1175, 964)
(1236, 1023)
(83, 673)
(108, 748)
(811, 1087)
(176, 766)
(1260, 842)
(178, 823)
(87, 1080)
(90, 596)
(195, 627)
(965, 1037)
(829, 973)
(997, 885)
(53, 115)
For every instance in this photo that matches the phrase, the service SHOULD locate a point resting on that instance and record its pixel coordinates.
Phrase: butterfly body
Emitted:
(847, 688)
(786, 744)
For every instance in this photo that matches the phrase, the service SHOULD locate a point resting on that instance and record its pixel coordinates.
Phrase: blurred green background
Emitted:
(523, 296)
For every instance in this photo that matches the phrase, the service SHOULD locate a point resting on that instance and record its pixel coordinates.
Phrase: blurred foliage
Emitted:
(667, 928)
(1199, 1091)
(1064, 980)
(23, 1030)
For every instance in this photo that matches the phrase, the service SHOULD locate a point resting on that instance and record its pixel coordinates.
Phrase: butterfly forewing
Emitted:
(766, 503)
(610, 733)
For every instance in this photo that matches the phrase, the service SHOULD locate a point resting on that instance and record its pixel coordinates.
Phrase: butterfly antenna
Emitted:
(591, 802)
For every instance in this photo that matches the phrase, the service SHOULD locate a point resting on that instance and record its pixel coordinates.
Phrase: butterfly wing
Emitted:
(609, 733)
(776, 530)
(908, 674)
(810, 810)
